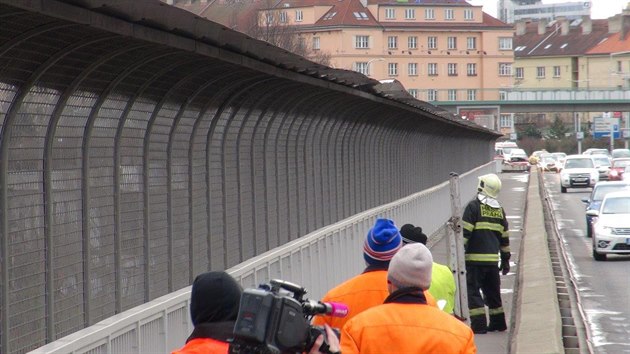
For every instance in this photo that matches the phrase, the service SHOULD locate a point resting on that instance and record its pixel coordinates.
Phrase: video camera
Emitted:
(275, 319)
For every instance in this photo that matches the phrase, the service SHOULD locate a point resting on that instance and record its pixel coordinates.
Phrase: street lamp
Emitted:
(370, 62)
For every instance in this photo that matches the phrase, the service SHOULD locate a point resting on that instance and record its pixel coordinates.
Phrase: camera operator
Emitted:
(214, 306)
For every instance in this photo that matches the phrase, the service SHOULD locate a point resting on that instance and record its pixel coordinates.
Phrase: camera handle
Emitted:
(298, 291)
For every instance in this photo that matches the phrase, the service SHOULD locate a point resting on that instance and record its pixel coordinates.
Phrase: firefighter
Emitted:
(486, 242)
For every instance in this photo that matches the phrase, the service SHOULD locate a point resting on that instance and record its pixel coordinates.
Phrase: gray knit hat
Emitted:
(411, 266)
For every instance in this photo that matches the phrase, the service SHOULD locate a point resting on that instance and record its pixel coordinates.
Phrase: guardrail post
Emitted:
(456, 259)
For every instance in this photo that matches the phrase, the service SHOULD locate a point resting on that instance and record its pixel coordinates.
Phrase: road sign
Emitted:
(513, 136)
(579, 135)
(602, 127)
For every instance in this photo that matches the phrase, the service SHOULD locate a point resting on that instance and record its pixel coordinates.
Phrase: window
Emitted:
(299, 16)
(432, 42)
(283, 16)
(269, 16)
(471, 43)
(452, 69)
(432, 95)
(392, 69)
(452, 95)
(410, 14)
(619, 66)
(505, 121)
(429, 14)
(505, 43)
(329, 15)
(316, 43)
(432, 69)
(471, 94)
(449, 14)
(451, 42)
(520, 72)
(360, 16)
(362, 42)
(362, 67)
(540, 72)
(505, 69)
(413, 92)
(390, 14)
(412, 69)
(392, 42)
(471, 69)
(502, 95)
(412, 42)
(468, 14)
(556, 71)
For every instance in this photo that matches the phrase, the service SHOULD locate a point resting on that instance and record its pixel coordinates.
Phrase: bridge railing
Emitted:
(461, 96)
(318, 261)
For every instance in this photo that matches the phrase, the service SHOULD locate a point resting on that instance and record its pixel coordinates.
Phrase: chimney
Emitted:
(564, 25)
(542, 26)
(587, 24)
(521, 27)
(625, 25)
(614, 24)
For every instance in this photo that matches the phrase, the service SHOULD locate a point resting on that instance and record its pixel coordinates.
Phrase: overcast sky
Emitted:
(600, 8)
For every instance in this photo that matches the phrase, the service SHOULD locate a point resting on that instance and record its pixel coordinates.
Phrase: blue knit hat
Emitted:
(382, 242)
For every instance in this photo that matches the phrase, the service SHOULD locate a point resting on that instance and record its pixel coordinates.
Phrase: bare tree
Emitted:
(273, 26)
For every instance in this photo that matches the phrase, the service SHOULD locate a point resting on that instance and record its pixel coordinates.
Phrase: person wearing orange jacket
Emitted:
(369, 288)
(214, 302)
(405, 323)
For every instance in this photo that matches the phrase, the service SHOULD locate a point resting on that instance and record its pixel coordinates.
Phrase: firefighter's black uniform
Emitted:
(485, 235)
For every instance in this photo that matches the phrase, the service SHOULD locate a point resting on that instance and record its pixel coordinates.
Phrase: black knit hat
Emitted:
(412, 234)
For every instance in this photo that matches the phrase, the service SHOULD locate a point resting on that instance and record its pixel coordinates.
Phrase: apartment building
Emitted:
(563, 54)
(582, 54)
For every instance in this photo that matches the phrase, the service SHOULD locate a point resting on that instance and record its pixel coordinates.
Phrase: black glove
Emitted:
(505, 263)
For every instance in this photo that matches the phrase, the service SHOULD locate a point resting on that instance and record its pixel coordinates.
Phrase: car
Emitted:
(517, 161)
(548, 162)
(617, 168)
(617, 153)
(600, 190)
(560, 157)
(579, 172)
(502, 149)
(602, 163)
(611, 229)
(596, 151)
(626, 174)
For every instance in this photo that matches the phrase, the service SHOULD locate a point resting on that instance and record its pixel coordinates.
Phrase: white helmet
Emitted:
(489, 185)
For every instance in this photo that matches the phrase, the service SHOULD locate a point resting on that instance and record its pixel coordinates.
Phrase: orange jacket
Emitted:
(402, 326)
(365, 290)
(204, 346)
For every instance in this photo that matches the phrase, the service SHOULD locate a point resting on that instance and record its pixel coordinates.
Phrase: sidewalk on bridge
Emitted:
(536, 325)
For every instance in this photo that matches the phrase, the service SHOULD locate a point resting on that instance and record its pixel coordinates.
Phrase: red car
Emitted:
(617, 167)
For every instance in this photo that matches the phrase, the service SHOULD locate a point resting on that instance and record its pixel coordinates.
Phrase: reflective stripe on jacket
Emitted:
(404, 326)
(485, 233)
(359, 293)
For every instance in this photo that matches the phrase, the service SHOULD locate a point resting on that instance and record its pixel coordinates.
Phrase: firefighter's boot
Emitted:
(497, 322)
(478, 324)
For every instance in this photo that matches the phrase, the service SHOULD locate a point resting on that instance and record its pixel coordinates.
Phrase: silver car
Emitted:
(602, 163)
(611, 230)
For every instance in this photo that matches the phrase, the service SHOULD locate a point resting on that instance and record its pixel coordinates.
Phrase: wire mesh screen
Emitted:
(128, 167)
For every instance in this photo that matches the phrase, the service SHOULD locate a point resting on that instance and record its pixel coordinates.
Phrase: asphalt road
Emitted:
(604, 287)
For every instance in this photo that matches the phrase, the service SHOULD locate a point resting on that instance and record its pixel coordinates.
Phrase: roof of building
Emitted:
(420, 2)
(611, 44)
(347, 13)
(554, 43)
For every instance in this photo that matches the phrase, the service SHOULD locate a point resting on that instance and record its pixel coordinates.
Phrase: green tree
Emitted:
(557, 130)
(529, 130)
